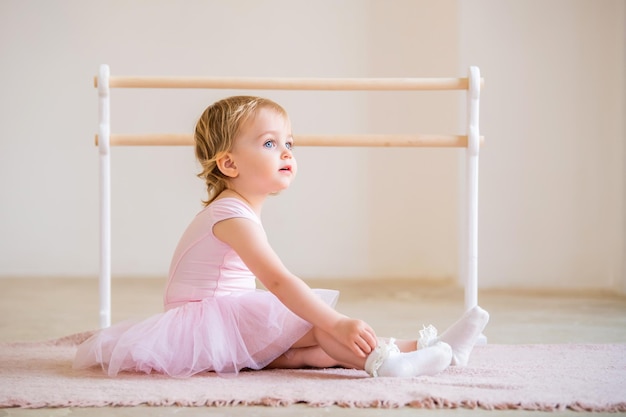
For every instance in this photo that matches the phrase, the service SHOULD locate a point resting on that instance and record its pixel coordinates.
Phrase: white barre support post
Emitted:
(473, 149)
(104, 130)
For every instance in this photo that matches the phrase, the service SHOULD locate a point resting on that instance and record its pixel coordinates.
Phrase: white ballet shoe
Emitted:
(379, 355)
(461, 336)
(387, 360)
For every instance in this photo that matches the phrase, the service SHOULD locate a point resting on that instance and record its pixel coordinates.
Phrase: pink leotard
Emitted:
(193, 274)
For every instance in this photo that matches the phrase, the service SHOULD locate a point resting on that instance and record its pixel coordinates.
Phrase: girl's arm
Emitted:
(250, 242)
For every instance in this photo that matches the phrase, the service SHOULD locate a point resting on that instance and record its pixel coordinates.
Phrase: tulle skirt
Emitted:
(224, 334)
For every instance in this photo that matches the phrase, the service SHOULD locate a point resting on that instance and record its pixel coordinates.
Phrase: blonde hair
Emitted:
(215, 133)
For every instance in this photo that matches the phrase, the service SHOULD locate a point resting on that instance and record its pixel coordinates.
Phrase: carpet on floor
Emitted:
(583, 377)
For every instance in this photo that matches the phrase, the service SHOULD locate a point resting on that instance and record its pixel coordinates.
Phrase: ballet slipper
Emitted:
(461, 336)
(387, 360)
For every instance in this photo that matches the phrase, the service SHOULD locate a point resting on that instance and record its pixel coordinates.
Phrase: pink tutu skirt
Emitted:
(224, 334)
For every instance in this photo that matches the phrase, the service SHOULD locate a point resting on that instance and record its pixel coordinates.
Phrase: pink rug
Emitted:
(531, 377)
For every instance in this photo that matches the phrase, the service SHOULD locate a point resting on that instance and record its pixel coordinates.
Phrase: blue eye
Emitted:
(289, 145)
(269, 144)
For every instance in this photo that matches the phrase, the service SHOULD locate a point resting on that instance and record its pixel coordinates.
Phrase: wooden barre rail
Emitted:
(345, 84)
(424, 141)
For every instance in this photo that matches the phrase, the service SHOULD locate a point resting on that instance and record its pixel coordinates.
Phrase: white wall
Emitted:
(551, 213)
(383, 212)
(552, 185)
(324, 226)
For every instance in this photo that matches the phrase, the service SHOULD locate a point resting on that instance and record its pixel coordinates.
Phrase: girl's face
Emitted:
(262, 153)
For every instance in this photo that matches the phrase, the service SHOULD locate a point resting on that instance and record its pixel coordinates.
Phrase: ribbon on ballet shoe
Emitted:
(379, 355)
(427, 337)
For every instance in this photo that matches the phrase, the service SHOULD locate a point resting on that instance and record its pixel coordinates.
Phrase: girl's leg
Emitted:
(387, 359)
(319, 349)
(306, 357)
(306, 353)
(461, 337)
(406, 345)
(313, 356)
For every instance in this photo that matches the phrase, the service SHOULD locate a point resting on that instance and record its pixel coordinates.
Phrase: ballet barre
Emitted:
(471, 141)
(422, 141)
(303, 84)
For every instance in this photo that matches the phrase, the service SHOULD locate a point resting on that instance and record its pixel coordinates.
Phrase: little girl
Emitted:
(215, 319)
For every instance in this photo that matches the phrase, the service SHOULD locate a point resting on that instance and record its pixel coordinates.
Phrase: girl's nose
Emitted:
(287, 154)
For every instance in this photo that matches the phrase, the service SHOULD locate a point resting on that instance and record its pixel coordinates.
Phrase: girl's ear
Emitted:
(227, 165)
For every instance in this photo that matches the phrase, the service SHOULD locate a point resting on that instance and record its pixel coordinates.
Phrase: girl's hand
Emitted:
(357, 335)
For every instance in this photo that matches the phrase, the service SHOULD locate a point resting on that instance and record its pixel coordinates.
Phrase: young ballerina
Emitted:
(215, 319)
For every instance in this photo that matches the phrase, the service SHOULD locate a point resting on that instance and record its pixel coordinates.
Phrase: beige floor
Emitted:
(37, 309)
